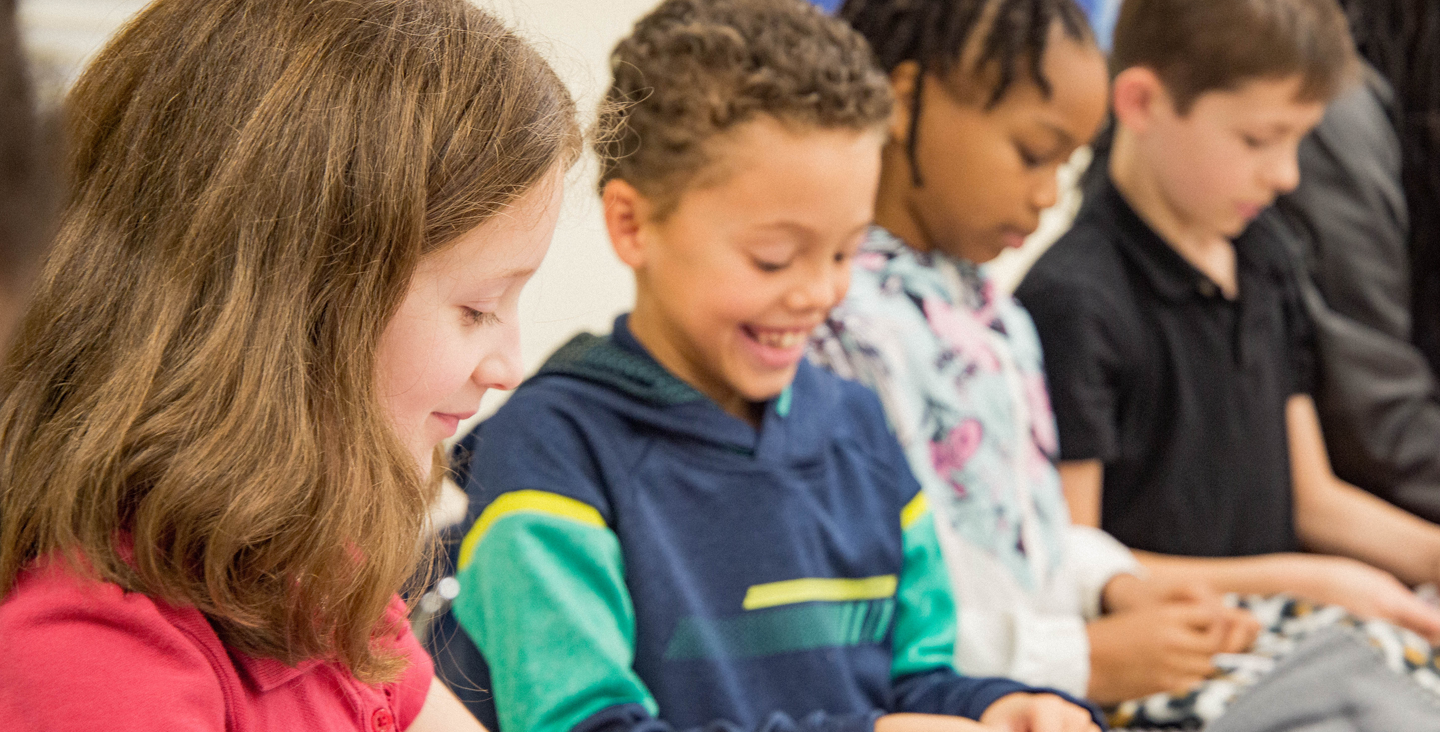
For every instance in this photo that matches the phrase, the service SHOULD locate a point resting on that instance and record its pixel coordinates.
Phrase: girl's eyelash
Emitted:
(1030, 159)
(476, 317)
(770, 266)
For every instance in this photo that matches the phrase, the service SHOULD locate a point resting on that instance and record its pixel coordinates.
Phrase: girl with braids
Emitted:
(994, 95)
(287, 266)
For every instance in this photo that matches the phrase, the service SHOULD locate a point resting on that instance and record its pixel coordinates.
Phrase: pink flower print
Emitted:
(959, 330)
(951, 454)
(1042, 419)
(871, 261)
(986, 313)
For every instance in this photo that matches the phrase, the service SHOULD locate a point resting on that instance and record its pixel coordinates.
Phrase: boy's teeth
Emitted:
(785, 339)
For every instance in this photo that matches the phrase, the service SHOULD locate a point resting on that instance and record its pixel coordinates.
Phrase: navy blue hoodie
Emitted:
(643, 560)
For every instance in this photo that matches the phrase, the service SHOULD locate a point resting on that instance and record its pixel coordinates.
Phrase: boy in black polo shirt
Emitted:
(1177, 351)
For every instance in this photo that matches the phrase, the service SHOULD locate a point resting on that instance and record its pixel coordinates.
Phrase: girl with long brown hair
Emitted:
(287, 265)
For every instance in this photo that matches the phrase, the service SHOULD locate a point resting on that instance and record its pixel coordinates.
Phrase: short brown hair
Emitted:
(1197, 46)
(692, 70)
(252, 184)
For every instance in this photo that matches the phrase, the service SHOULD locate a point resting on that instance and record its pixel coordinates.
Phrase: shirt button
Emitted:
(382, 720)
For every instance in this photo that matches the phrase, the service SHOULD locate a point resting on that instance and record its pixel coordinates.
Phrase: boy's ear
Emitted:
(903, 80)
(626, 211)
(1137, 94)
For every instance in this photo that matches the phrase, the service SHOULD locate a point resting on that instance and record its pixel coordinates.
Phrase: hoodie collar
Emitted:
(622, 363)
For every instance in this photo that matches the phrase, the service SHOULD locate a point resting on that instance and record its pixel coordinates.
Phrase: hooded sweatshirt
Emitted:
(643, 560)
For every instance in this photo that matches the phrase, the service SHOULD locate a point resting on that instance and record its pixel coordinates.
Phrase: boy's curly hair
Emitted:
(692, 70)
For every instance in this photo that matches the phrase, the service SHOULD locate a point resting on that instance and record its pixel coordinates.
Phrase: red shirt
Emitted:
(77, 654)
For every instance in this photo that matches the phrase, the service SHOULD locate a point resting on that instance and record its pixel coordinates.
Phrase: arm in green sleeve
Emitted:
(544, 598)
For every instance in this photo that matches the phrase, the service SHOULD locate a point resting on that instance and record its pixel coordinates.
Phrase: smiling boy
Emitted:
(683, 524)
(1177, 350)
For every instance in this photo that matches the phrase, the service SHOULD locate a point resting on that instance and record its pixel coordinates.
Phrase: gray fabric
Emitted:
(1333, 682)
(1378, 400)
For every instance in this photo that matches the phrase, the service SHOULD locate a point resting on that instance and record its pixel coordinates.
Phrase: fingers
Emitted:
(1242, 630)
(1413, 613)
(1050, 713)
(1196, 592)
(1208, 625)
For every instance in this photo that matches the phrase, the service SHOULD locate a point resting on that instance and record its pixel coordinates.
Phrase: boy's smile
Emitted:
(731, 283)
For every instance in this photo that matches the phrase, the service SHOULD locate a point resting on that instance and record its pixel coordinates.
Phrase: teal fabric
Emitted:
(576, 615)
(925, 625)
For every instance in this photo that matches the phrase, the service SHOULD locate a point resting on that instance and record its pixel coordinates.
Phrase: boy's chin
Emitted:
(762, 388)
(1233, 228)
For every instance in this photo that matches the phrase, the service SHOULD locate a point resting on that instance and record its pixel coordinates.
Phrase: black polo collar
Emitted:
(1171, 275)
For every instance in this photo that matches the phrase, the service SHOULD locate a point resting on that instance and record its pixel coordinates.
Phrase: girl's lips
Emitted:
(450, 422)
(1013, 239)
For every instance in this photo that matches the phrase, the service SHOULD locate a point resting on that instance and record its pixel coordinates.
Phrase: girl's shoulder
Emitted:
(81, 653)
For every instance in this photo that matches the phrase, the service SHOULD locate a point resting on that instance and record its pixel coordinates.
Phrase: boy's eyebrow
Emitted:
(802, 230)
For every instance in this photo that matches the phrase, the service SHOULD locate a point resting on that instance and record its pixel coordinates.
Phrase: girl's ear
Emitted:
(626, 211)
(903, 81)
(1137, 93)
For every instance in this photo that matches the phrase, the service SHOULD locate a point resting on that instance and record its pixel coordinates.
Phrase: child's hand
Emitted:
(928, 723)
(1370, 593)
(1126, 592)
(1160, 648)
(1037, 713)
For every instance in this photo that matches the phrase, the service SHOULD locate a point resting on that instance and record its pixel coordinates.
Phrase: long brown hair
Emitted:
(252, 185)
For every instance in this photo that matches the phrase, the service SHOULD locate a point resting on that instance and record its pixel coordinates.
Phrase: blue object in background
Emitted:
(1102, 14)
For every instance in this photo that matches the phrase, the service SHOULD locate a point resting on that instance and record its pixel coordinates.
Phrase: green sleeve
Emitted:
(543, 596)
(925, 625)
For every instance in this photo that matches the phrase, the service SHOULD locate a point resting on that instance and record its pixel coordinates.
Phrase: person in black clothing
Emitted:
(1401, 39)
(1376, 392)
(25, 185)
(1369, 245)
(1179, 354)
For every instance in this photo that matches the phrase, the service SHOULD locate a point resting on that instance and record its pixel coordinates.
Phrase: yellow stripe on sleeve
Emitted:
(816, 589)
(544, 502)
(914, 510)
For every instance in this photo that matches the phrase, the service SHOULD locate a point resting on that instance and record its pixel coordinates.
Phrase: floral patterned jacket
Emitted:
(958, 367)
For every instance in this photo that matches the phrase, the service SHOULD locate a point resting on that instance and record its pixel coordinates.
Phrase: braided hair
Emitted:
(941, 36)
(1401, 39)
